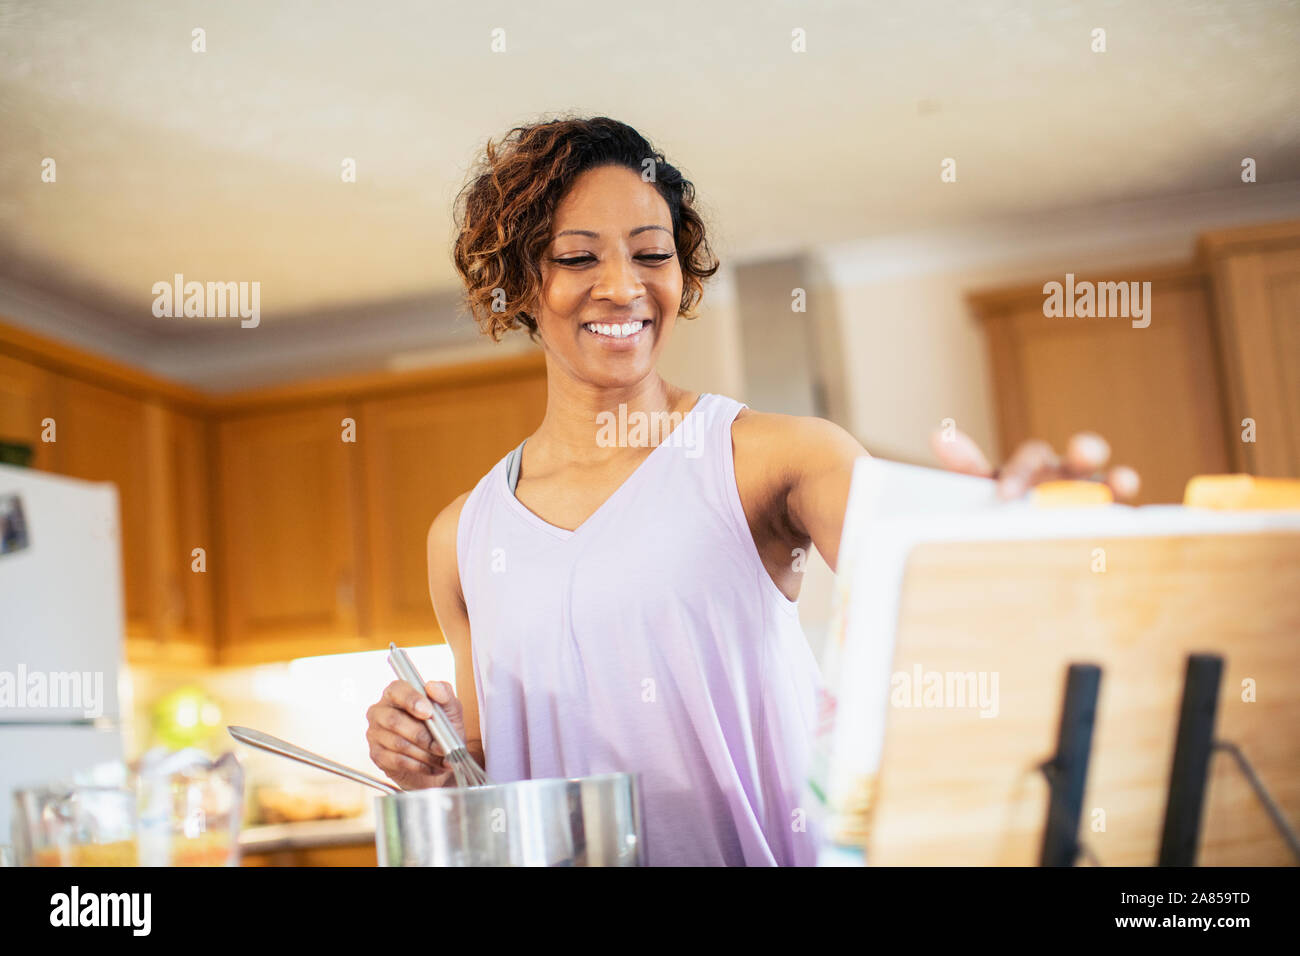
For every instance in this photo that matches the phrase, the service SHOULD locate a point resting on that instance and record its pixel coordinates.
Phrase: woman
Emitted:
(622, 597)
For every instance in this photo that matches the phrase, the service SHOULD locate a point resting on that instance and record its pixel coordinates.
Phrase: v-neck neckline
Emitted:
(564, 533)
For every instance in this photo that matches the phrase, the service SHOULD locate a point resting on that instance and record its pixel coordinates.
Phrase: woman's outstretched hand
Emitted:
(1035, 461)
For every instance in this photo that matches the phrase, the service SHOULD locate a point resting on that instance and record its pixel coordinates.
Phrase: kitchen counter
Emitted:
(311, 834)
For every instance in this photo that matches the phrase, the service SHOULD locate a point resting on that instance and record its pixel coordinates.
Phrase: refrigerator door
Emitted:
(35, 755)
(61, 610)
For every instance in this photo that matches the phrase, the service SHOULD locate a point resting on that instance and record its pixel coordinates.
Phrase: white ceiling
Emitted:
(225, 165)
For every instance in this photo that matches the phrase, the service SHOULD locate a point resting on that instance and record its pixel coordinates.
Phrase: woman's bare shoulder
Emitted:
(443, 529)
(773, 428)
(784, 444)
(443, 561)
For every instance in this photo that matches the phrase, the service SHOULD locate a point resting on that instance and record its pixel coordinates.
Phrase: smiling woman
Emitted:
(506, 217)
(625, 601)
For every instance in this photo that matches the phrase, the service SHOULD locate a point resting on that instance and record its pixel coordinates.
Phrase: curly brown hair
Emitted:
(504, 213)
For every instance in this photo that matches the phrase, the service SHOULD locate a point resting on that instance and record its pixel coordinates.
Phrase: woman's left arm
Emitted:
(819, 455)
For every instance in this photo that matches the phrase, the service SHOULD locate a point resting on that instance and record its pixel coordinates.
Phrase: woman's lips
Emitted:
(617, 335)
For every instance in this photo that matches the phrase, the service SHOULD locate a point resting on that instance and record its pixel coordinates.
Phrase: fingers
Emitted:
(407, 772)
(446, 697)
(441, 691)
(1124, 483)
(403, 696)
(1086, 454)
(1032, 462)
(400, 743)
(960, 454)
(382, 741)
(386, 716)
(403, 748)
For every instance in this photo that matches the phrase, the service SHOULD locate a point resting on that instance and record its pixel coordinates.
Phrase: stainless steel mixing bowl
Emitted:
(584, 821)
(587, 821)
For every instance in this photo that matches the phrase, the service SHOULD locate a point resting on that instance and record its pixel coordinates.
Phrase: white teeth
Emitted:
(616, 331)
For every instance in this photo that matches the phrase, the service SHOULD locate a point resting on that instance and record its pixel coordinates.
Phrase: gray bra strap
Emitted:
(512, 465)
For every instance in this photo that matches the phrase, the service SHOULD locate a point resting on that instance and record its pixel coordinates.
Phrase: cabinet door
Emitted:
(26, 399)
(187, 577)
(419, 453)
(1259, 326)
(1153, 392)
(102, 435)
(288, 553)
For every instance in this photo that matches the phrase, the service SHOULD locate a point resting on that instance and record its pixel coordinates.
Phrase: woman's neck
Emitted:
(572, 430)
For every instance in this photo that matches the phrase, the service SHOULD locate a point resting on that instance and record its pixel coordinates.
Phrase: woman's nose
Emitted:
(618, 281)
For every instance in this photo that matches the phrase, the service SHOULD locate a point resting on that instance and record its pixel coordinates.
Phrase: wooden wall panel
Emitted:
(1257, 282)
(1153, 392)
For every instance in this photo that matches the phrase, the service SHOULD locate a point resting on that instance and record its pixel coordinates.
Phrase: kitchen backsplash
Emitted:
(318, 703)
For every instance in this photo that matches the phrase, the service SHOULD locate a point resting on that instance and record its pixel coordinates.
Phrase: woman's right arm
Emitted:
(400, 744)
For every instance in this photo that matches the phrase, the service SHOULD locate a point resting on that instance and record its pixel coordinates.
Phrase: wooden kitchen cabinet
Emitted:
(418, 453)
(103, 435)
(289, 545)
(26, 399)
(187, 628)
(1155, 393)
(311, 544)
(1256, 274)
(323, 545)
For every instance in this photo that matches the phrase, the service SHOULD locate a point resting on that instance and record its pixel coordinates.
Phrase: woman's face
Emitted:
(611, 282)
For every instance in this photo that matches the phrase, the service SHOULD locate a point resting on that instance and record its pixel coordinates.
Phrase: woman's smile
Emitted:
(619, 336)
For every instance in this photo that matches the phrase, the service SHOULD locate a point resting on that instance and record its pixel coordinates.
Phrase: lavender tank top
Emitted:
(652, 640)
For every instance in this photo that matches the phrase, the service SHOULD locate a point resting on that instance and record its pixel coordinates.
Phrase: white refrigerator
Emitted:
(61, 624)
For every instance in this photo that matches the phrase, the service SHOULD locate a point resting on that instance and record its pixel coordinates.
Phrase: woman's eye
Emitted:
(580, 260)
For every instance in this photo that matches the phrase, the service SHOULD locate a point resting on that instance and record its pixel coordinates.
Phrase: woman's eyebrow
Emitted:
(595, 235)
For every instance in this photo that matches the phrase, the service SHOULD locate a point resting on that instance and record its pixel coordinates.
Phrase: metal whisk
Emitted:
(466, 769)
